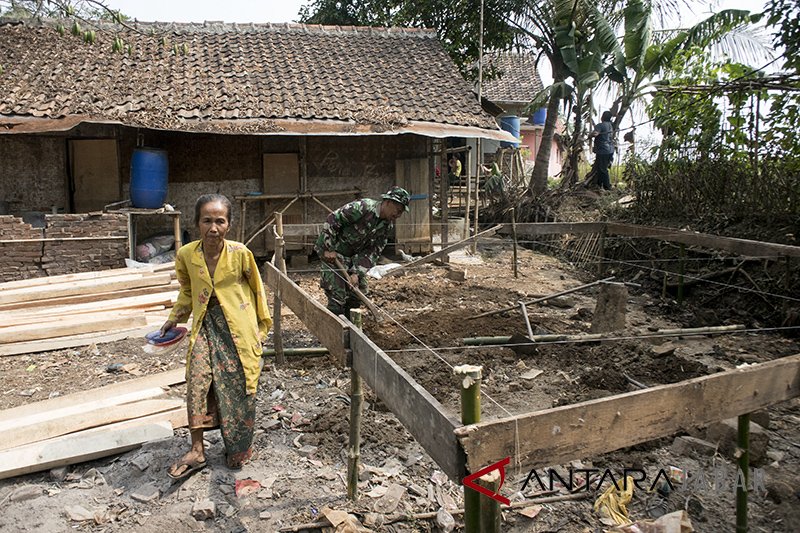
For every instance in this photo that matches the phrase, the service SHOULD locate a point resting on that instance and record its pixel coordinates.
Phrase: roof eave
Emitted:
(28, 125)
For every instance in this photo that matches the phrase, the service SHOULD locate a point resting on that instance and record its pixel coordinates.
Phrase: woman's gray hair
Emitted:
(207, 199)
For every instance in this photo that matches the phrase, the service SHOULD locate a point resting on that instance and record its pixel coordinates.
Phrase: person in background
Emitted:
(603, 135)
(454, 174)
(222, 288)
(356, 234)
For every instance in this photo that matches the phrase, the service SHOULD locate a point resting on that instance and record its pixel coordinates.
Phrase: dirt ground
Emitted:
(303, 411)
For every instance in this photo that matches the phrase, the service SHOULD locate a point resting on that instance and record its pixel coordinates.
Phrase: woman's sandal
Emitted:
(191, 468)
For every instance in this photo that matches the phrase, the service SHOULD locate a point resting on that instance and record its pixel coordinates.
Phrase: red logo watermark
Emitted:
(469, 481)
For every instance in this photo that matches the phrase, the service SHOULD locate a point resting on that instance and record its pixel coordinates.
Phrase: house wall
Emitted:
(34, 169)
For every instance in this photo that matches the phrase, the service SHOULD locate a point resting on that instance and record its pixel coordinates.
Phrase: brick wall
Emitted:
(19, 260)
(82, 249)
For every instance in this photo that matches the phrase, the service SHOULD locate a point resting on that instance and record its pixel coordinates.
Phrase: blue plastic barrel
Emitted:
(540, 116)
(149, 176)
(511, 125)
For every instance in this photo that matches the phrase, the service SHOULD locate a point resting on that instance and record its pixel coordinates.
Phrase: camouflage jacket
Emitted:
(357, 233)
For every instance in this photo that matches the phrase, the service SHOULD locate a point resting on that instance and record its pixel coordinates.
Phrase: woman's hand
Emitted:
(168, 325)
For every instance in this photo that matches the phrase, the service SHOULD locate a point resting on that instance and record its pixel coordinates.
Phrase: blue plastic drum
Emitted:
(149, 176)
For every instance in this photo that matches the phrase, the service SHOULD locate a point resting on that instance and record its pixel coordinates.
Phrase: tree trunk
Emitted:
(538, 183)
(575, 145)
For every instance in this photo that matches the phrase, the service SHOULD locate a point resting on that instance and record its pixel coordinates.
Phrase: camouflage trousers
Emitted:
(340, 297)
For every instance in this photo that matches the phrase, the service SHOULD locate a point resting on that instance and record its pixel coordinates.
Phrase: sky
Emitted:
(202, 10)
(287, 10)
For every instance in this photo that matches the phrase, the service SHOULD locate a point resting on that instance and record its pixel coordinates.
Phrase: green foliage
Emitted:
(784, 16)
(456, 22)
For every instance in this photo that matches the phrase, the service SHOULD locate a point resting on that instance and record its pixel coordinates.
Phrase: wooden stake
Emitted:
(471, 414)
(601, 267)
(444, 185)
(280, 263)
(743, 475)
(514, 236)
(356, 403)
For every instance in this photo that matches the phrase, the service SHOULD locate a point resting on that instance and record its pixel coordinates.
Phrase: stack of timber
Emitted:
(73, 310)
(89, 425)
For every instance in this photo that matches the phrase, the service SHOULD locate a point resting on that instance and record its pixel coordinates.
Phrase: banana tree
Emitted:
(645, 58)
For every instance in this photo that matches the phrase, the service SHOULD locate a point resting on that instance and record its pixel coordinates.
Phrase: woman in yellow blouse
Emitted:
(222, 288)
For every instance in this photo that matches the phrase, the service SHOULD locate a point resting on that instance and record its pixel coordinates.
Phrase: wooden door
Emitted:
(282, 176)
(94, 174)
(413, 229)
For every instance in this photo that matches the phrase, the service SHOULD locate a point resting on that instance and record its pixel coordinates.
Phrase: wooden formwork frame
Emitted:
(553, 436)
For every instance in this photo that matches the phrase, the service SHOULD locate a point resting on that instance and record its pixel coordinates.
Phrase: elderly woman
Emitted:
(222, 288)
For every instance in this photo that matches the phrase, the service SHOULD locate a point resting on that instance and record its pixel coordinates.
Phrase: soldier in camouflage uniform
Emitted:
(356, 233)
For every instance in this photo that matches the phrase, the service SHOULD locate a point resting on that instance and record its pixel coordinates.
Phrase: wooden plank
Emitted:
(331, 331)
(8, 318)
(96, 297)
(586, 429)
(73, 326)
(90, 286)
(72, 341)
(162, 379)
(554, 228)
(421, 414)
(444, 251)
(737, 246)
(79, 447)
(63, 278)
(47, 429)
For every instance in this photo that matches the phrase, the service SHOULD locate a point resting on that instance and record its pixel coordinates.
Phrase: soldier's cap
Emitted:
(399, 195)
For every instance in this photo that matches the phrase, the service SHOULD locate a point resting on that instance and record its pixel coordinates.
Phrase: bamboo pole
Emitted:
(514, 236)
(592, 337)
(455, 512)
(490, 508)
(601, 266)
(356, 403)
(743, 476)
(470, 414)
(465, 232)
(544, 298)
(444, 185)
(280, 263)
(479, 157)
(308, 352)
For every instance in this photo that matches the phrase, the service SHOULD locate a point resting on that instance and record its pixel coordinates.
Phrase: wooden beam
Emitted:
(71, 326)
(162, 379)
(62, 278)
(47, 429)
(86, 445)
(89, 286)
(95, 297)
(553, 228)
(421, 414)
(72, 341)
(444, 251)
(586, 429)
(129, 304)
(737, 246)
(331, 331)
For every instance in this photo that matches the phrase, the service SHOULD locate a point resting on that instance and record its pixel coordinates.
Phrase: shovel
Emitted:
(366, 301)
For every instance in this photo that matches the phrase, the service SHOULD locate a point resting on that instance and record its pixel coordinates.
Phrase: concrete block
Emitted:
(689, 446)
(724, 435)
(457, 275)
(204, 510)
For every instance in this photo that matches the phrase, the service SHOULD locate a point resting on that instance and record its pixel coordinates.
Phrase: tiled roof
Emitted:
(517, 80)
(254, 74)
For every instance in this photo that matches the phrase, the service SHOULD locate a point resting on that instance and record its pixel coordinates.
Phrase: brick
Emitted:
(204, 510)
